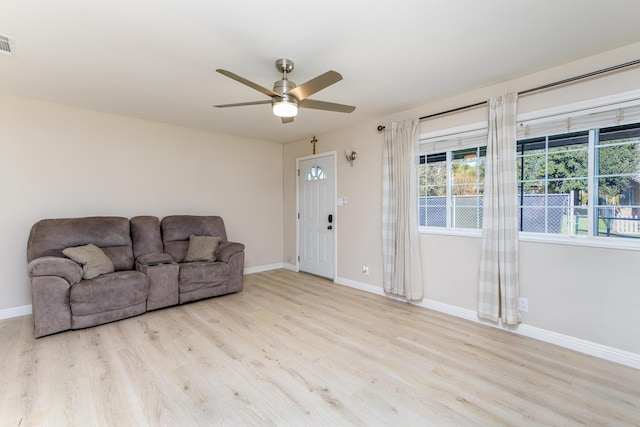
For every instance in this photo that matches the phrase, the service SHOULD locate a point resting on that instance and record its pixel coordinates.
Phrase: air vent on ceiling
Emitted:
(6, 45)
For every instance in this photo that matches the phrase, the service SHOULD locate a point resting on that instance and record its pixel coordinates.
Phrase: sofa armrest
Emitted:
(154, 259)
(227, 249)
(163, 274)
(55, 266)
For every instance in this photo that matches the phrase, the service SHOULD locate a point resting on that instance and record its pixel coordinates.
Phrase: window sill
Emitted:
(594, 242)
(460, 232)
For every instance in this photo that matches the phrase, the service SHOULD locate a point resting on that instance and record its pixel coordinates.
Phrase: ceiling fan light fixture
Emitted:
(285, 106)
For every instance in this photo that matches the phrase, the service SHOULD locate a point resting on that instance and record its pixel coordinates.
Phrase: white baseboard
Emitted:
(583, 346)
(291, 267)
(588, 347)
(15, 312)
(269, 267)
(261, 268)
(359, 285)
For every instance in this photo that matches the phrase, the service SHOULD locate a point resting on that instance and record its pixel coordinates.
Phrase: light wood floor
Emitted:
(295, 350)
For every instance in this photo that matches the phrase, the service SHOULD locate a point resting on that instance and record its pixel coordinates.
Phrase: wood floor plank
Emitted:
(70, 400)
(294, 349)
(27, 395)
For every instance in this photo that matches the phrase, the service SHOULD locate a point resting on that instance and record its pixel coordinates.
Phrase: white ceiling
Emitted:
(156, 59)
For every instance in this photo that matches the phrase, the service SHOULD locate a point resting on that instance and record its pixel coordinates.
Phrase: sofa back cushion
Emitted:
(49, 237)
(177, 229)
(145, 234)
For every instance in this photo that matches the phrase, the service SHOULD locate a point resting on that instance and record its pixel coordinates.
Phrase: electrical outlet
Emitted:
(523, 304)
(289, 259)
(365, 269)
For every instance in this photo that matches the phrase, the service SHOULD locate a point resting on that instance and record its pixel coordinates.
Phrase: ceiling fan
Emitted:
(286, 97)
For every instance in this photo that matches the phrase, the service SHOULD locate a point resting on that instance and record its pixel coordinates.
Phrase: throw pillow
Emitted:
(93, 260)
(202, 248)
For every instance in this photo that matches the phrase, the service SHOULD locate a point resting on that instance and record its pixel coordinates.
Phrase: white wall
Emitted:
(583, 292)
(58, 161)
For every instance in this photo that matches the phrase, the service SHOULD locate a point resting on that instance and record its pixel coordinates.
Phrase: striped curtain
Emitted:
(498, 285)
(400, 238)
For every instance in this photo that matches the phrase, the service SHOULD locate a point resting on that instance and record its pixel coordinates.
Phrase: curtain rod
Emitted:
(535, 89)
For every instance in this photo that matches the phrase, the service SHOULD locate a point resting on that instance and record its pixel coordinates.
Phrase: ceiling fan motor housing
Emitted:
(283, 86)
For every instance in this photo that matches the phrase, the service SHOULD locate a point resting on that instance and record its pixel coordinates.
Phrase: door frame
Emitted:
(336, 218)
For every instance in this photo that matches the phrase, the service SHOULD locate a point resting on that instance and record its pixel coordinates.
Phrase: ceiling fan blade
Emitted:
(329, 106)
(287, 120)
(314, 85)
(246, 82)
(242, 104)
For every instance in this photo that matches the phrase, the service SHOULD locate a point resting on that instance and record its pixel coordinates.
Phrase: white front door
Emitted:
(316, 201)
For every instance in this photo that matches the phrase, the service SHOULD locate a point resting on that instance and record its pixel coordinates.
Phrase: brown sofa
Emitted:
(146, 270)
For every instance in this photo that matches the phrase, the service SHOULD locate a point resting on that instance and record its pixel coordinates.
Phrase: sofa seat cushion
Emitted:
(198, 275)
(108, 292)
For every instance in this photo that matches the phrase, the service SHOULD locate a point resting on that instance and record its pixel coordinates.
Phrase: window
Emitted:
(576, 177)
(617, 181)
(315, 173)
(433, 190)
(451, 189)
(552, 181)
(467, 184)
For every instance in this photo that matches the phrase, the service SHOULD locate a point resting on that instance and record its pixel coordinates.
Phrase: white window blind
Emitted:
(470, 139)
(576, 121)
(597, 113)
